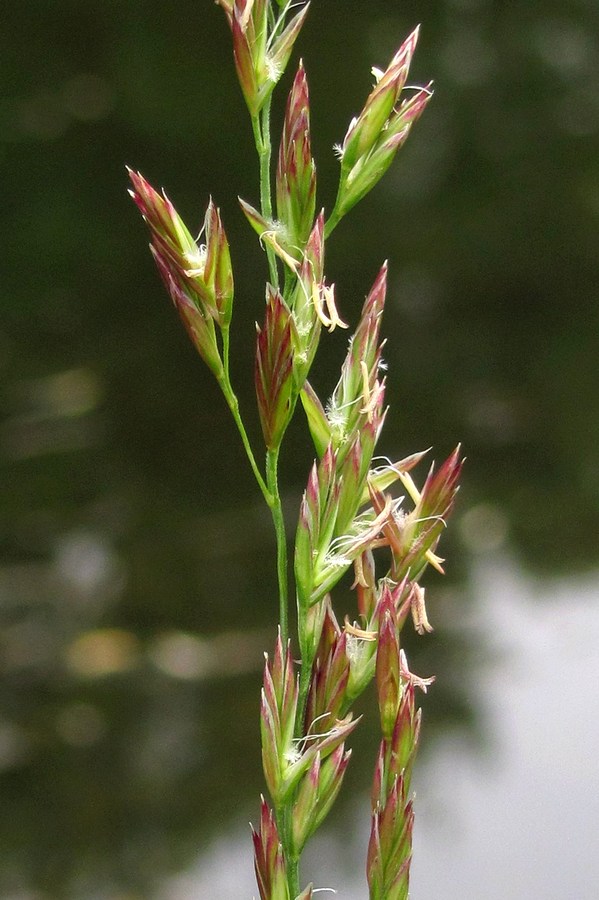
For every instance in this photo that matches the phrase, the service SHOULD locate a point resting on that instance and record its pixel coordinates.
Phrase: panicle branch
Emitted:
(376, 134)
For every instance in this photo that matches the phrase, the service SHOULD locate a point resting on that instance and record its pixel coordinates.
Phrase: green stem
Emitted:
(284, 815)
(233, 404)
(293, 877)
(331, 223)
(261, 128)
(291, 279)
(276, 509)
(304, 687)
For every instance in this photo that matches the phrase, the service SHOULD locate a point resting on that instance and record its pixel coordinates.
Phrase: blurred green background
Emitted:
(136, 561)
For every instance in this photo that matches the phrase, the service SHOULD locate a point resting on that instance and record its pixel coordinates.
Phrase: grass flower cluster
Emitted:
(359, 512)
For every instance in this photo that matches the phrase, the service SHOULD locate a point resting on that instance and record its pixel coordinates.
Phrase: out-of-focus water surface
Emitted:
(514, 818)
(136, 562)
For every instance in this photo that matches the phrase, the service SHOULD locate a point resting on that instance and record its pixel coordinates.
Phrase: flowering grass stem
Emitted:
(285, 816)
(233, 404)
(262, 139)
(347, 511)
(305, 678)
(276, 509)
(331, 223)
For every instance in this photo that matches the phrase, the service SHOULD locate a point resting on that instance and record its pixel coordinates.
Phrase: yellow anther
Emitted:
(418, 609)
(271, 238)
(408, 482)
(360, 578)
(318, 303)
(329, 299)
(359, 632)
(370, 397)
(435, 561)
(324, 295)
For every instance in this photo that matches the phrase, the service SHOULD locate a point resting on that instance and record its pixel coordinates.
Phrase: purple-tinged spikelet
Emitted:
(296, 173)
(274, 369)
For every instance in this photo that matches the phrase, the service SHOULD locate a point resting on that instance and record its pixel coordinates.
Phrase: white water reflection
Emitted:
(516, 819)
(522, 821)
